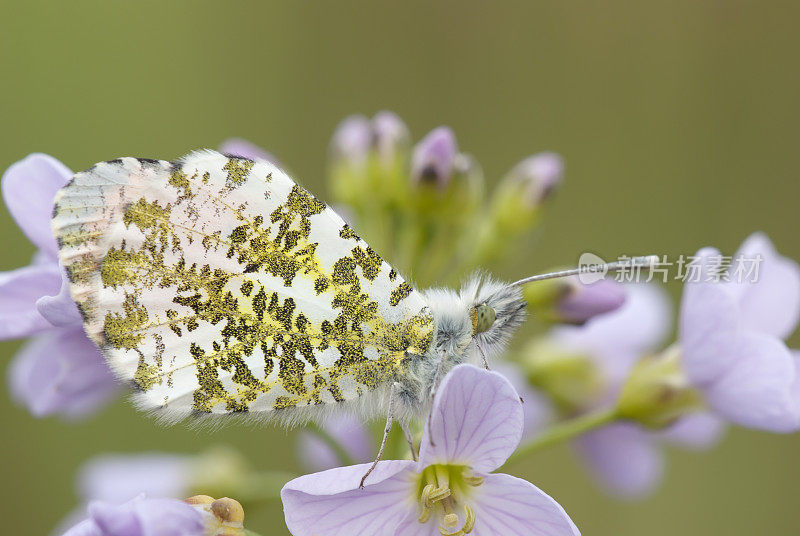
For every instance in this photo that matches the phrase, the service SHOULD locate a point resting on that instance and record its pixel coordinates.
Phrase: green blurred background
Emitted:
(679, 123)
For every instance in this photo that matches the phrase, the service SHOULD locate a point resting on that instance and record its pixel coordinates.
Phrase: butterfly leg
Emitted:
(386, 430)
(483, 355)
(434, 386)
(409, 439)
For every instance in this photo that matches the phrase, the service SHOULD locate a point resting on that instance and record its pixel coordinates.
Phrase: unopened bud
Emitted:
(539, 175)
(657, 391)
(582, 302)
(352, 140)
(390, 136)
(570, 378)
(567, 300)
(434, 157)
(245, 149)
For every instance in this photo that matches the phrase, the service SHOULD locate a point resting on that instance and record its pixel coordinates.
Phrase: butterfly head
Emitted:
(496, 311)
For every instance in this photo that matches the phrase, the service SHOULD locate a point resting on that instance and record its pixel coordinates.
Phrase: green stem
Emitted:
(565, 431)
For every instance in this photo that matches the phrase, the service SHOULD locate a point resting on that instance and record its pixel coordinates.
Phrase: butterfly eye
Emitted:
(483, 317)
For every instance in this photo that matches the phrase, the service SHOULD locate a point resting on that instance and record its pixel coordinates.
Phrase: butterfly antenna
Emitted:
(648, 261)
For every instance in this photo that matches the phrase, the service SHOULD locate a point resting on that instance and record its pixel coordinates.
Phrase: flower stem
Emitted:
(565, 431)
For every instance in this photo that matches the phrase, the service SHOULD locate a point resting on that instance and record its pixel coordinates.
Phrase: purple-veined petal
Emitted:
(331, 503)
(508, 505)
(61, 372)
(476, 420)
(29, 187)
(350, 433)
(245, 149)
(696, 431)
(60, 310)
(119, 478)
(709, 316)
(623, 458)
(536, 408)
(19, 291)
(771, 303)
(757, 389)
(410, 525)
(617, 339)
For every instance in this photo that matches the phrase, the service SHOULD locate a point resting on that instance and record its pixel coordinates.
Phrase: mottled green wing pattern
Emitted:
(218, 285)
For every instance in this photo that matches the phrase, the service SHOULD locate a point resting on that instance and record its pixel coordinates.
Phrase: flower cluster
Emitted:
(600, 374)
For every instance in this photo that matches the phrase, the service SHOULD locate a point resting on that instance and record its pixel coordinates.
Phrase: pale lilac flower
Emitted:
(141, 517)
(542, 174)
(119, 478)
(584, 301)
(731, 337)
(350, 434)
(476, 423)
(245, 149)
(624, 458)
(60, 371)
(434, 158)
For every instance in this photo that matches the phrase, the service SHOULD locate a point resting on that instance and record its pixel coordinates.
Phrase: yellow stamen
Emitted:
(446, 490)
(469, 524)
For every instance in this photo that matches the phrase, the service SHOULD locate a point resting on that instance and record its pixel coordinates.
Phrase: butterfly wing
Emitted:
(218, 285)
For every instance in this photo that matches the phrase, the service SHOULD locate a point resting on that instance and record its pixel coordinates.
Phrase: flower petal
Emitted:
(148, 517)
(120, 478)
(61, 372)
(623, 458)
(757, 390)
(19, 291)
(510, 505)
(331, 503)
(350, 433)
(697, 431)
(60, 310)
(245, 149)
(29, 187)
(709, 316)
(770, 304)
(476, 420)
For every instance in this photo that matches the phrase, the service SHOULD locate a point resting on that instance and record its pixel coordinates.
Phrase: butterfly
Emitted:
(216, 286)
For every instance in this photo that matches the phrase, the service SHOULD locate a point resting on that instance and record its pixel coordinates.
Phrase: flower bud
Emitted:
(519, 195)
(539, 175)
(433, 160)
(244, 149)
(567, 300)
(584, 301)
(657, 391)
(570, 378)
(390, 137)
(351, 140)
